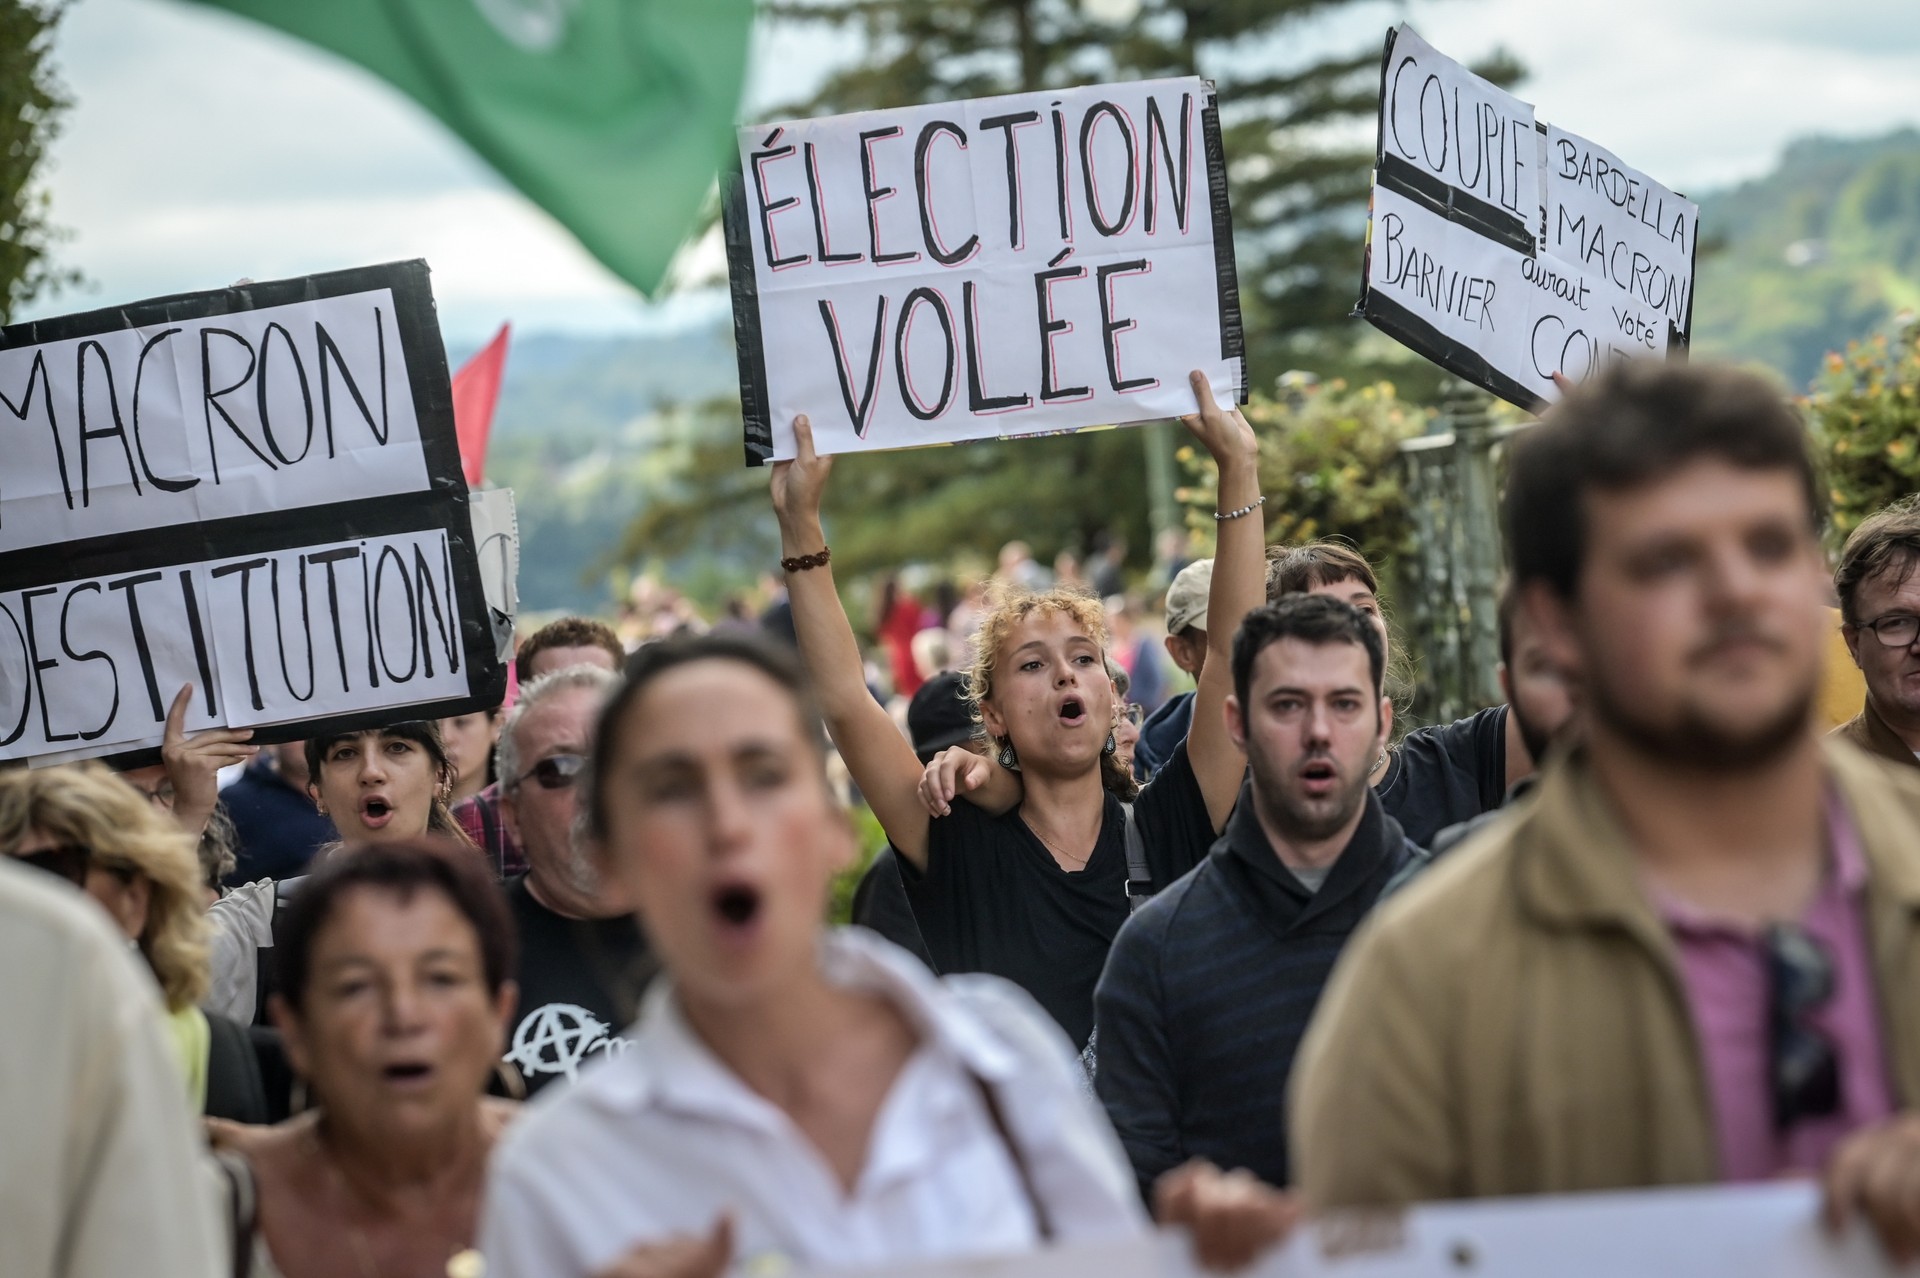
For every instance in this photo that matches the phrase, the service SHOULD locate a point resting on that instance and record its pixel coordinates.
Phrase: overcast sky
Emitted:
(202, 148)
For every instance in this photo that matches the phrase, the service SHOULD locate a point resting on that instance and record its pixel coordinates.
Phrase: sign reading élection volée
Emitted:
(256, 491)
(1507, 250)
(1005, 266)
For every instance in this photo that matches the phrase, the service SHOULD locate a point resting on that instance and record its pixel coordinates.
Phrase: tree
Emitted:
(30, 106)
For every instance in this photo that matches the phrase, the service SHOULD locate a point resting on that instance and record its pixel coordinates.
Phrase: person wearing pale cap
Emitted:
(1187, 645)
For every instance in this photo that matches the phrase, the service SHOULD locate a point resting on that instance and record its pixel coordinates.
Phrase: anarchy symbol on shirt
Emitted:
(556, 1039)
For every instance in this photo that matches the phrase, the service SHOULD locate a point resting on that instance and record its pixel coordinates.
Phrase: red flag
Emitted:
(476, 389)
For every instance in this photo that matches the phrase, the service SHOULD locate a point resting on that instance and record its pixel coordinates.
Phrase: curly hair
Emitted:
(1008, 610)
(86, 804)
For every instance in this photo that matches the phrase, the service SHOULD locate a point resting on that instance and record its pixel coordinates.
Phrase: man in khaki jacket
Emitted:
(1692, 956)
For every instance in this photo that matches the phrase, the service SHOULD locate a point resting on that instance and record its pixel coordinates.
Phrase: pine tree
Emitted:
(30, 107)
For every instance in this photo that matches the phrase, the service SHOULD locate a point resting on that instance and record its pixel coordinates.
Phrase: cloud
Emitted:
(202, 147)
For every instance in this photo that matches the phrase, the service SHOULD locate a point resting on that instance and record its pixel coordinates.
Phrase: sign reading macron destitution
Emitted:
(1507, 250)
(1005, 266)
(256, 491)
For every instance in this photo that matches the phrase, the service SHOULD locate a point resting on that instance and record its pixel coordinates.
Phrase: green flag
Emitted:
(613, 115)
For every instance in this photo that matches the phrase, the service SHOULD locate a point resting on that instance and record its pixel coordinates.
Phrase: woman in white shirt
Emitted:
(792, 1096)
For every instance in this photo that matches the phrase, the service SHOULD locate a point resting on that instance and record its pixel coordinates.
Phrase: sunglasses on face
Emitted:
(69, 861)
(555, 772)
(1805, 1071)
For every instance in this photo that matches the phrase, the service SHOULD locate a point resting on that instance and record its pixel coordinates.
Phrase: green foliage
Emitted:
(1865, 412)
(1821, 251)
(873, 841)
(1329, 464)
(30, 107)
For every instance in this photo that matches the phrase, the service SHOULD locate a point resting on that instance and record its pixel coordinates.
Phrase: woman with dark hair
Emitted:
(394, 1000)
(793, 1096)
(378, 785)
(386, 783)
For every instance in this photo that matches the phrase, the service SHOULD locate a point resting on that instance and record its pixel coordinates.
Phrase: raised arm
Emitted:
(879, 757)
(1239, 586)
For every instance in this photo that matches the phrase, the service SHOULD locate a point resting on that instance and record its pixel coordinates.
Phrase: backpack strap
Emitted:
(1139, 873)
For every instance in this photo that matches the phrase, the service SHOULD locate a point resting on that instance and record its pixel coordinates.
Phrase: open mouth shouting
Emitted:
(1318, 777)
(1073, 712)
(736, 908)
(407, 1074)
(376, 810)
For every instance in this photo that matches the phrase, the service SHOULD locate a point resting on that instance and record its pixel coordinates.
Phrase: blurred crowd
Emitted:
(1171, 924)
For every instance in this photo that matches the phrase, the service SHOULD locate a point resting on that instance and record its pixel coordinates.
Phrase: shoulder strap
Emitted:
(1042, 1221)
(1139, 873)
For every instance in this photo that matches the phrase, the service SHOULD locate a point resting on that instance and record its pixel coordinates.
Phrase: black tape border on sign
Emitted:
(756, 414)
(1401, 324)
(1487, 220)
(444, 506)
(1233, 340)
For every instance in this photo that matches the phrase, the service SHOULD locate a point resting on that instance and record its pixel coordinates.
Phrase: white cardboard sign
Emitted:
(1004, 266)
(256, 491)
(1506, 249)
(1769, 1231)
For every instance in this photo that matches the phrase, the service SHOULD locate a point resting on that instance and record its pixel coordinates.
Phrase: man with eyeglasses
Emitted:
(1880, 616)
(583, 961)
(1691, 956)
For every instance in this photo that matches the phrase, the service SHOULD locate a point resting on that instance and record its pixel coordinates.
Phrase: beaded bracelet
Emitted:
(1222, 517)
(801, 563)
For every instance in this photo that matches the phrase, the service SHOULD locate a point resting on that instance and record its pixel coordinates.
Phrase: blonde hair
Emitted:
(1008, 610)
(86, 804)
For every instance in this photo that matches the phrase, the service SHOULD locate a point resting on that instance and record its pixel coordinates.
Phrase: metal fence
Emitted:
(1450, 583)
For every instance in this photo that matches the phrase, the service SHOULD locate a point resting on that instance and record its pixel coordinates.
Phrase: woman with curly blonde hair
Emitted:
(1024, 864)
(84, 824)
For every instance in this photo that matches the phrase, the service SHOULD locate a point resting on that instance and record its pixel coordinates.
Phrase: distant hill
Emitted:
(586, 428)
(1823, 250)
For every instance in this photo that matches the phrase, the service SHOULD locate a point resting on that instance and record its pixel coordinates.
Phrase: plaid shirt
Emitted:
(480, 818)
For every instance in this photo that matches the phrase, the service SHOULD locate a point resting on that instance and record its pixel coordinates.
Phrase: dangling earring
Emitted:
(1007, 758)
(1112, 746)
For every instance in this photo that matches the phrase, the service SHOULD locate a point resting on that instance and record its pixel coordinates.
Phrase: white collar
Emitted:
(669, 1065)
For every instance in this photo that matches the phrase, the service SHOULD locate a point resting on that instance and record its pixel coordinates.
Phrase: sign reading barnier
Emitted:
(1005, 266)
(255, 490)
(1507, 250)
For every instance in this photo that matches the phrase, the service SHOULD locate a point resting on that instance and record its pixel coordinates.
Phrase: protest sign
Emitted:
(1005, 266)
(1769, 1231)
(255, 490)
(1507, 250)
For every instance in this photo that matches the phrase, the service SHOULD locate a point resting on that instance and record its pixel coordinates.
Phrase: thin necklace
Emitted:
(1078, 863)
(462, 1262)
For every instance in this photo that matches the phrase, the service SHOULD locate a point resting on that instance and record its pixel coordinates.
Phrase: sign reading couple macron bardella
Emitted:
(1507, 250)
(1005, 266)
(256, 491)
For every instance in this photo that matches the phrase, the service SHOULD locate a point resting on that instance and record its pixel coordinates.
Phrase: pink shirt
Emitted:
(1723, 967)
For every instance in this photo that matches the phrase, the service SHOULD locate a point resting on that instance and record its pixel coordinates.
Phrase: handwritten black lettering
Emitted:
(1016, 213)
(916, 299)
(859, 410)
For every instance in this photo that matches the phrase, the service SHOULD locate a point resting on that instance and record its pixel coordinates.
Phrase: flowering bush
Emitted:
(1865, 413)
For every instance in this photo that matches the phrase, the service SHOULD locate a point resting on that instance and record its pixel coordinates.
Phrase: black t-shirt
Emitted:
(993, 899)
(580, 984)
(1446, 774)
(880, 903)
